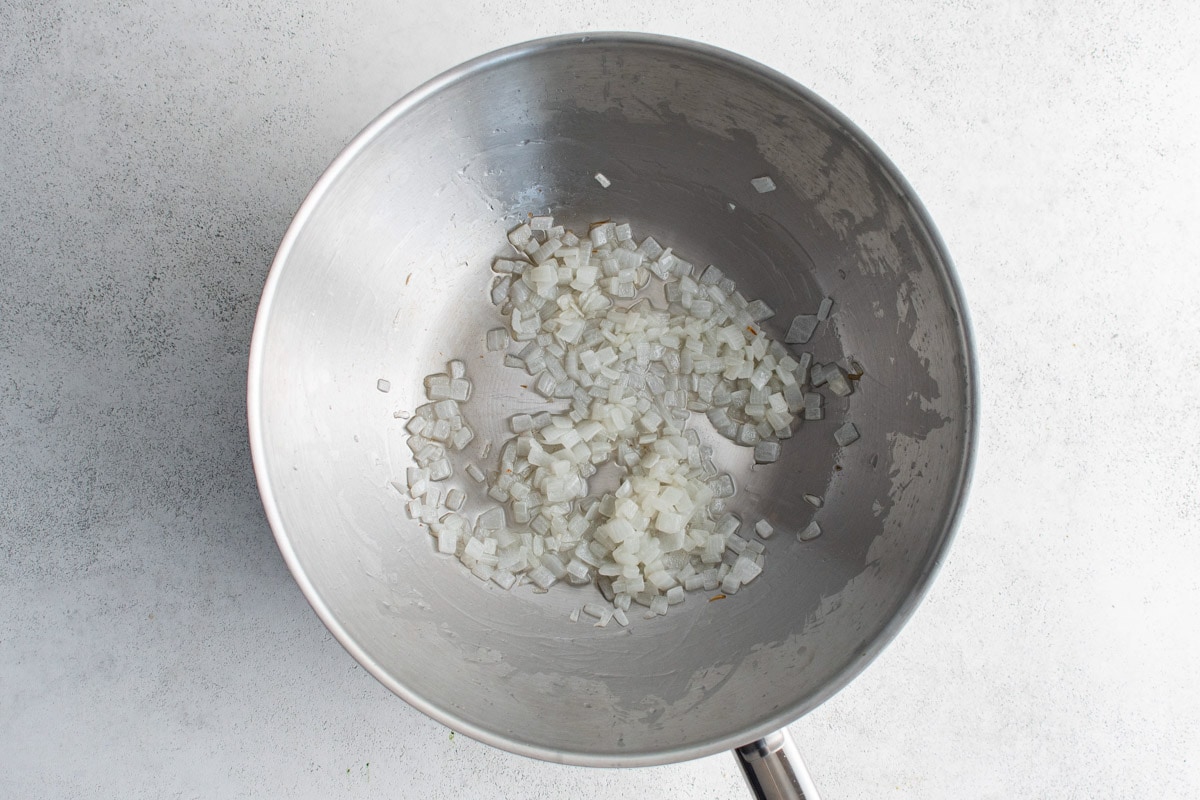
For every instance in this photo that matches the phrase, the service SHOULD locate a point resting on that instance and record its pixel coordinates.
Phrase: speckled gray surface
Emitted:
(152, 644)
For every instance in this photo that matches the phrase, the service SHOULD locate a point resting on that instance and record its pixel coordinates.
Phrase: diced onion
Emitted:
(497, 339)
(625, 376)
(766, 452)
(824, 309)
(763, 184)
(802, 328)
(810, 532)
(845, 435)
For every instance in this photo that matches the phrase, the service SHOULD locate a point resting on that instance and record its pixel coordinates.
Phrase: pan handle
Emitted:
(774, 769)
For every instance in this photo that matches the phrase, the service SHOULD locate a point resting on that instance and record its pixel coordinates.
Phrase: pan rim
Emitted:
(939, 546)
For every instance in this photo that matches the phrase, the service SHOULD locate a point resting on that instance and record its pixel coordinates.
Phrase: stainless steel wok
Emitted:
(384, 274)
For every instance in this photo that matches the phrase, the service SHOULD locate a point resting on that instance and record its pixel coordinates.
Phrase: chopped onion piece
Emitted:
(763, 184)
(497, 339)
(812, 531)
(491, 520)
(518, 236)
(764, 529)
(461, 438)
(417, 479)
(835, 378)
(744, 570)
(447, 540)
(383, 385)
(759, 310)
(812, 406)
(542, 577)
(845, 435)
(602, 180)
(504, 579)
(437, 387)
(440, 469)
(802, 328)
(766, 452)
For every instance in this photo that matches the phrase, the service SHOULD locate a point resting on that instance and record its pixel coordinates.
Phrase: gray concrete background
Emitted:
(152, 643)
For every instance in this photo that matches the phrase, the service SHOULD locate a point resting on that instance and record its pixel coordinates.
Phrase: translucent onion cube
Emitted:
(437, 387)
(763, 184)
(824, 309)
(447, 540)
(504, 579)
(744, 570)
(418, 480)
(542, 577)
(802, 328)
(759, 310)
(669, 522)
(728, 525)
(440, 469)
(847, 434)
(497, 339)
(812, 406)
(461, 438)
(519, 235)
(766, 452)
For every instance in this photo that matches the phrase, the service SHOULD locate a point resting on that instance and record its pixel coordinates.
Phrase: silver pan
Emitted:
(384, 274)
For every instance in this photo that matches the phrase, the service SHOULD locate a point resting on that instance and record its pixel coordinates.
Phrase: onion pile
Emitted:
(620, 378)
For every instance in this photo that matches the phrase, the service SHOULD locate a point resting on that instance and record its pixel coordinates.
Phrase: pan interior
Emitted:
(384, 274)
